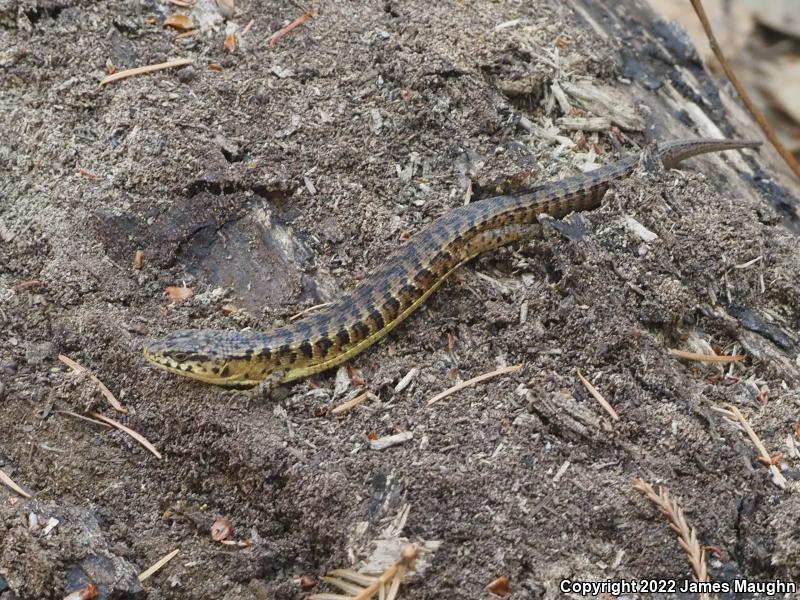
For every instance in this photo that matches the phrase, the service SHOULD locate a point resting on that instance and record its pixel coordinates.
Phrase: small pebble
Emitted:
(9, 368)
(186, 74)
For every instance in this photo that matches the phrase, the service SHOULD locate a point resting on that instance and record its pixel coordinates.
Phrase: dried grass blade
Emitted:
(12, 484)
(473, 381)
(134, 434)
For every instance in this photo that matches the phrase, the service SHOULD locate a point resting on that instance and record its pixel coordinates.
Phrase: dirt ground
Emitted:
(269, 179)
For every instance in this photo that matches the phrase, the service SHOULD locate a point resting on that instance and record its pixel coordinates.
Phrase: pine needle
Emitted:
(134, 434)
(10, 483)
(598, 396)
(146, 69)
(79, 368)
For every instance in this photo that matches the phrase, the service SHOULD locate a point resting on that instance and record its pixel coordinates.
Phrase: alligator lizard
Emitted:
(378, 304)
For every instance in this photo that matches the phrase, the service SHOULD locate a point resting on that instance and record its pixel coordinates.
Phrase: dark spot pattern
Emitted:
(323, 345)
(306, 349)
(377, 318)
(361, 330)
(392, 306)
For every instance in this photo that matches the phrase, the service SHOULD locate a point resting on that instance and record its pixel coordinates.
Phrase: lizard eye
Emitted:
(180, 356)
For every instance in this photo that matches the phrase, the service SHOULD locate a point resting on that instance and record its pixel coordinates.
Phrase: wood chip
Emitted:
(584, 123)
(711, 358)
(179, 62)
(179, 22)
(227, 8)
(406, 380)
(230, 43)
(388, 441)
(78, 368)
(230, 309)
(88, 174)
(473, 381)
(222, 529)
(350, 404)
(356, 378)
(158, 565)
(499, 587)
(178, 294)
(135, 435)
(138, 260)
(598, 396)
(642, 232)
(10, 483)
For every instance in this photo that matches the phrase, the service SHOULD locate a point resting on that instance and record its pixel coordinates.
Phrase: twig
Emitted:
(735, 414)
(178, 62)
(345, 406)
(732, 77)
(10, 483)
(598, 396)
(687, 537)
(473, 381)
(158, 564)
(273, 41)
(305, 311)
(711, 358)
(78, 368)
(135, 435)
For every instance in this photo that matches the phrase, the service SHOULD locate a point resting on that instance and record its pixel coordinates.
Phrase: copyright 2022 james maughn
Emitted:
(617, 587)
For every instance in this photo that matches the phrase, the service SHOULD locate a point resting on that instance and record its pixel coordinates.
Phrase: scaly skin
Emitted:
(378, 304)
